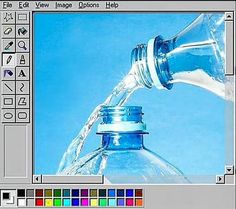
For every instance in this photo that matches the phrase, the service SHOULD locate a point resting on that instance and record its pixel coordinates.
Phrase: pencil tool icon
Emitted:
(9, 59)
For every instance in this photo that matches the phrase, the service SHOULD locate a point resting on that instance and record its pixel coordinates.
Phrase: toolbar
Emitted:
(15, 73)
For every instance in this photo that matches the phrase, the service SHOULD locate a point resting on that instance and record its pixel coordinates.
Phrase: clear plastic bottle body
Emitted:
(122, 157)
(132, 164)
(196, 56)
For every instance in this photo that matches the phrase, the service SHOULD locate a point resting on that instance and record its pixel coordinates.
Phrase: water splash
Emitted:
(119, 96)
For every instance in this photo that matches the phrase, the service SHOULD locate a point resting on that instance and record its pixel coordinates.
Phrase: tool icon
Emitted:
(22, 86)
(8, 115)
(8, 101)
(8, 87)
(7, 31)
(9, 59)
(22, 31)
(22, 115)
(7, 47)
(22, 45)
(22, 17)
(22, 101)
(7, 72)
(22, 60)
(8, 17)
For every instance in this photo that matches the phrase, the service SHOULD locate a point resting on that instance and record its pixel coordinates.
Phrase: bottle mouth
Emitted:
(151, 64)
(121, 119)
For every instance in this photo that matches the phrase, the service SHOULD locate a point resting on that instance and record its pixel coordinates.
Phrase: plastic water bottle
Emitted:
(123, 156)
(196, 56)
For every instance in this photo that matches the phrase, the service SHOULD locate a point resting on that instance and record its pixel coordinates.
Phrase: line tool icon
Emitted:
(8, 87)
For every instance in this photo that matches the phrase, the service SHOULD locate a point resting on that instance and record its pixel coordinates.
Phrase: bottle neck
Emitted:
(122, 141)
(194, 56)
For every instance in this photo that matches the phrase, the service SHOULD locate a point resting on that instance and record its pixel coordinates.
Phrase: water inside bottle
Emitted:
(203, 80)
(212, 77)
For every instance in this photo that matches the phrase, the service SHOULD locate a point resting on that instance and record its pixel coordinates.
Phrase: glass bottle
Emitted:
(123, 157)
(196, 56)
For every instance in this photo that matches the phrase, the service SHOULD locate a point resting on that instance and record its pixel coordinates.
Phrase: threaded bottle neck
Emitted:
(122, 127)
(150, 65)
(140, 66)
(121, 119)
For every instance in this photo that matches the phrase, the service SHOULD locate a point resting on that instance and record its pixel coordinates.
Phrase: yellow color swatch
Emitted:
(93, 202)
(48, 203)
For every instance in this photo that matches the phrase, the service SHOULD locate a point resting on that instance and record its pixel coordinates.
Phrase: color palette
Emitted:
(80, 197)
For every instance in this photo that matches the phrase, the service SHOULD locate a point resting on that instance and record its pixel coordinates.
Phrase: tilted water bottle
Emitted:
(196, 56)
(123, 156)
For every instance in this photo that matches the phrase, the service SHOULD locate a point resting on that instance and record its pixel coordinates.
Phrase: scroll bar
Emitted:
(229, 47)
(51, 179)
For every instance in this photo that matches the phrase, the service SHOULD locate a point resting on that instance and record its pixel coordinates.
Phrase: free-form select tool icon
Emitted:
(8, 16)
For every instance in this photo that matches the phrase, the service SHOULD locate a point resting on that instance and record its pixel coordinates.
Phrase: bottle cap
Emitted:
(151, 64)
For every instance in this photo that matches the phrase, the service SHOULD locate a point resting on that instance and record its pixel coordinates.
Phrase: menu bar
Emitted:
(117, 5)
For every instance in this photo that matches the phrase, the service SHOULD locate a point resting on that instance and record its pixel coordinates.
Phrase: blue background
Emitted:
(79, 58)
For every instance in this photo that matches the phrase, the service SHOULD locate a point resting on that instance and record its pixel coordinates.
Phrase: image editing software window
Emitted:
(117, 104)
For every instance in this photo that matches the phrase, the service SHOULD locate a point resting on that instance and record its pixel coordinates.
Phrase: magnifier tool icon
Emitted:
(22, 45)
